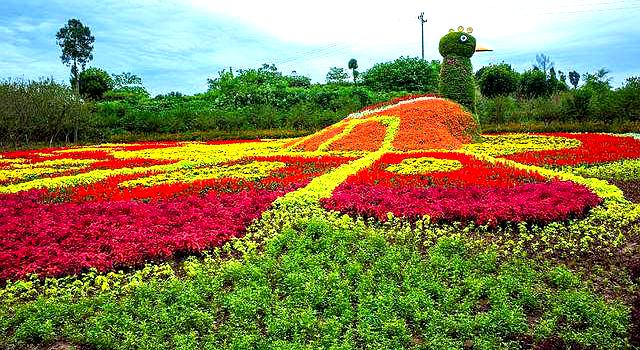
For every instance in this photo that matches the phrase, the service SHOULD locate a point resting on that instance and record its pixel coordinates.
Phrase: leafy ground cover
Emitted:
(341, 239)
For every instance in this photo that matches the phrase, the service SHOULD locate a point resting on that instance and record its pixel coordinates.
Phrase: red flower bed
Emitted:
(61, 238)
(297, 172)
(595, 148)
(102, 225)
(479, 192)
(537, 202)
(473, 172)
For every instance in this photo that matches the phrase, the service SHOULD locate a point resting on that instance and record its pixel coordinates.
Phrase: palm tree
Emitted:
(353, 65)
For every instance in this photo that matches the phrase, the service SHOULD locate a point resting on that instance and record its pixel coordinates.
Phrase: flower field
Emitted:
(398, 227)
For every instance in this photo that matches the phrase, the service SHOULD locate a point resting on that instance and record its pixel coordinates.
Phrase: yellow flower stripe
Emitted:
(251, 171)
(325, 130)
(85, 178)
(14, 175)
(204, 154)
(56, 163)
(424, 165)
(499, 145)
(628, 169)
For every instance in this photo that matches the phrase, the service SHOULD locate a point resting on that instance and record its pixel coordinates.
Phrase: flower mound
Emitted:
(425, 122)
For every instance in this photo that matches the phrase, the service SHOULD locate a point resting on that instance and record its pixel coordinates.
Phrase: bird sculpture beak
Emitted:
(480, 48)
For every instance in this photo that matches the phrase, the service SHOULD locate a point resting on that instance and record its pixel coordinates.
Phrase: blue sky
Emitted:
(176, 45)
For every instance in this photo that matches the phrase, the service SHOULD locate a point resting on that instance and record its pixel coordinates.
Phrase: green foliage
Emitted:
(337, 75)
(533, 83)
(628, 101)
(497, 110)
(323, 283)
(126, 79)
(457, 44)
(457, 82)
(409, 74)
(498, 80)
(94, 83)
(127, 93)
(41, 111)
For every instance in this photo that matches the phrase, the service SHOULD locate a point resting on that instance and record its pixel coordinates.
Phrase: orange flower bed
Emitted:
(321, 137)
(367, 136)
(433, 123)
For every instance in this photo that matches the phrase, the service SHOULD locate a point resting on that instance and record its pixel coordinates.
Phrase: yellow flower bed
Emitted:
(251, 171)
(424, 165)
(500, 145)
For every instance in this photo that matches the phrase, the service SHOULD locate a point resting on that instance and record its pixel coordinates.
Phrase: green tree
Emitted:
(543, 63)
(353, 65)
(533, 83)
(337, 75)
(125, 79)
(574, 78)
(94, 83)
(598, 81)
(498, 80)
(410, 74)
(76, 43)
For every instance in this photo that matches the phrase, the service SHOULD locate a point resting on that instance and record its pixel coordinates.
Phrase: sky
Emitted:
(175, 45)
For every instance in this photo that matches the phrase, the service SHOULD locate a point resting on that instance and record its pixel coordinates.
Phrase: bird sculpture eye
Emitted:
(463, 38)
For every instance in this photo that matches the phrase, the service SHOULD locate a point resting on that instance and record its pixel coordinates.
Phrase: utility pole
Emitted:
(422, 22)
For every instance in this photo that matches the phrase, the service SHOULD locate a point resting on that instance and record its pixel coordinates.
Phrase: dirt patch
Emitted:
(631, 189)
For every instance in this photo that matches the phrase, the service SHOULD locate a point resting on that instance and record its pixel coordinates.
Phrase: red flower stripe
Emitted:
(595, 148)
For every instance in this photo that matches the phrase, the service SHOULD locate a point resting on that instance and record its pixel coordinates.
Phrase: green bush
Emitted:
(456, 73)
(498, 80)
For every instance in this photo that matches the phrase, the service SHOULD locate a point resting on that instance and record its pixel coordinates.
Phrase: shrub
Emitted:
(533, 83)
(498, 80)
(497, 110)
(94, 83)
(403, 74)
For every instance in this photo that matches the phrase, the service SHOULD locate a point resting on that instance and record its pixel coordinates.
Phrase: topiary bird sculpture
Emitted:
(456, 73)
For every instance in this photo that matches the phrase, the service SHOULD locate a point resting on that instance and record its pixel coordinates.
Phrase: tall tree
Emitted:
(337, 76)
(76, 42)
(574, 78)
(543, 62)
(353, 65)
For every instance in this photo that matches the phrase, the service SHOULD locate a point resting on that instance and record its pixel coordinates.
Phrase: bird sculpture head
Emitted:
(459, 43)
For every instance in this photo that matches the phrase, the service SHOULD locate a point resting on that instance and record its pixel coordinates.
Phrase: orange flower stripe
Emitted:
(367, 136)
(312, 143)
